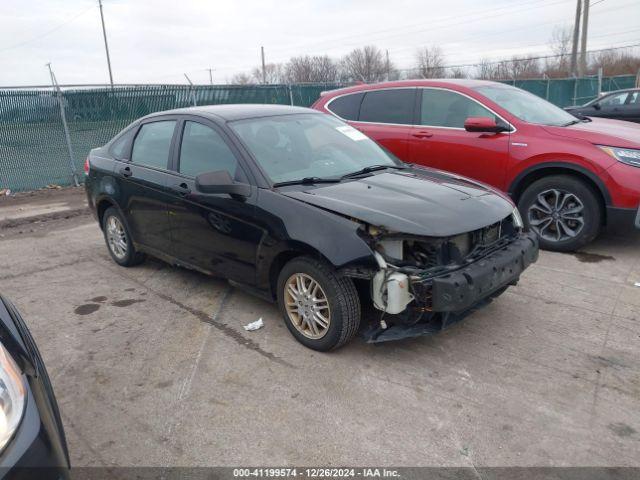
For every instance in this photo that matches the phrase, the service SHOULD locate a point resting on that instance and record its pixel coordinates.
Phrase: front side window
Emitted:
(388, 106)
(444, 108)
(152, 144)
(347, 106)
(292, 147)
(526, 106)
(614, 100)
(204, 150)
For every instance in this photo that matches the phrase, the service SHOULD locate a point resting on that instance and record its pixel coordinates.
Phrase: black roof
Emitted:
(239, 111)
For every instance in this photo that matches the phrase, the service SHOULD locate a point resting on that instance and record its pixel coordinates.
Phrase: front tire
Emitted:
(320, 307)
(563, 211)
(118, 239)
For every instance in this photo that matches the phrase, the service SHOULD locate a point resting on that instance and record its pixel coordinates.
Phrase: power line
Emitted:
(42, 35)
(433, 27)
(529, 26)
(602, 35)
(437, 24)
(541, 57)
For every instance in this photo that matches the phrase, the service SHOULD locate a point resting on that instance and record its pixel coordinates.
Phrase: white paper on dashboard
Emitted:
(352, 133)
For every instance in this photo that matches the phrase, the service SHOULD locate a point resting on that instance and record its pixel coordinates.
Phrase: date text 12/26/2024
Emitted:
(315, 473)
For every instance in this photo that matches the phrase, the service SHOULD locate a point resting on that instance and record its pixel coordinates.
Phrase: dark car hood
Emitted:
(602, 131)
(417, 202)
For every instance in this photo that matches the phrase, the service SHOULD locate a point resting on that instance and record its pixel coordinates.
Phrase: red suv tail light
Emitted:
(86, 166)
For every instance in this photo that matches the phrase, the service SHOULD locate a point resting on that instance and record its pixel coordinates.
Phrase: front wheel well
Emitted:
(522, 184)
(282, 258)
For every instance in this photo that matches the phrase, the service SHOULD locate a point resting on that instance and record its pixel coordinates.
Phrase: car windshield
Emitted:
(299, 146)
(526, 106)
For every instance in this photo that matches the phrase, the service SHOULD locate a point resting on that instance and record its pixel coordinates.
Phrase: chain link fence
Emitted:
(573, 91)
(34, 152)
(33, 148)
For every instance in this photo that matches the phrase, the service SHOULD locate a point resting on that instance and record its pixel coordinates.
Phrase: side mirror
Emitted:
(221, 182)
(483, 125)
(597, 106)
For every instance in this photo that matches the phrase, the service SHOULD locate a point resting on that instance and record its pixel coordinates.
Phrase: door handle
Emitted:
(182, 189)
(125, 172)
(422, 134)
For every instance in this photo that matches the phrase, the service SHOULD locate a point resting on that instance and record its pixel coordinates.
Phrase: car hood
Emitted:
(602, 131)
(417, 202)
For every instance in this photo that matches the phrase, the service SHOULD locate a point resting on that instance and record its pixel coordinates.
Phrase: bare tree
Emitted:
(430, 62)
(614, 62)
(306, 69)
(560, 44)
(486, 70)
(367, 64)
(512, 69)
(241, 79)
(523, 67)
(458, 72)
(273, 73)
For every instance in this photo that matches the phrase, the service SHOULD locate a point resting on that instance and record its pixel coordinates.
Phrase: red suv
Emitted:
(569, 176)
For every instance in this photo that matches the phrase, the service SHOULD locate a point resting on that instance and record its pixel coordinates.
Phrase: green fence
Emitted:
(573, 91)
(33, 148)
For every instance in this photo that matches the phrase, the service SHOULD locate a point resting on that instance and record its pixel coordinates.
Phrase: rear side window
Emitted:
(443, 108)
(204, 150)
(388, 106)
(120, 147)
(152, 144)
(347, 106)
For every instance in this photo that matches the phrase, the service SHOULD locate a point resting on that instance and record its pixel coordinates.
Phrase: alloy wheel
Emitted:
(116, 237)
(307, 306)
(556, 215)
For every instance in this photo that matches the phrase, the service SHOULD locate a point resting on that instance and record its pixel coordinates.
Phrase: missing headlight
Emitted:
(392, 248)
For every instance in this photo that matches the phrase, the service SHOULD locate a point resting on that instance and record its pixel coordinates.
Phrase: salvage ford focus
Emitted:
(300, 208)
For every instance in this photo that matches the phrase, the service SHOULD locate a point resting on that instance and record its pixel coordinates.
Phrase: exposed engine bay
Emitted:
(424, 284)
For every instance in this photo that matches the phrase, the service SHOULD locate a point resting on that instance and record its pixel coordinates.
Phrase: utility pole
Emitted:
(191, 92)
(210, 75)
(388, 65)
(106, 45)
(65, 127)
(264, 70)
(582, 67)
(576, 37)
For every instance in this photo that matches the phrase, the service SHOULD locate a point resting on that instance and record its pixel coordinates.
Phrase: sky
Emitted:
(157, 41)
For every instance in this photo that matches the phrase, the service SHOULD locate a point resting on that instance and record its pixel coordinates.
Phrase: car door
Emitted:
(386, 116)
(143, 183)
(630, 111)
(215, 233)
(611, 106)
(439, 139)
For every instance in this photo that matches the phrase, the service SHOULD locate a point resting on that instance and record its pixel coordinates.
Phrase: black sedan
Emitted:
(619, 105)
(300, 208)
(32, 441)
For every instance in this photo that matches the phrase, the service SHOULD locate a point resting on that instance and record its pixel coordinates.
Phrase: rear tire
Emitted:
(563, 211)
(310, 292)
(118, 239)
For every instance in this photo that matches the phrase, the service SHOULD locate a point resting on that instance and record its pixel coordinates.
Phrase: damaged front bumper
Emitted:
(436, 302)
(462, 289)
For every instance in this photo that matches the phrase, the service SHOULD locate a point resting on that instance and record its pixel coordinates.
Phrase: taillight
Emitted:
(86, 166)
